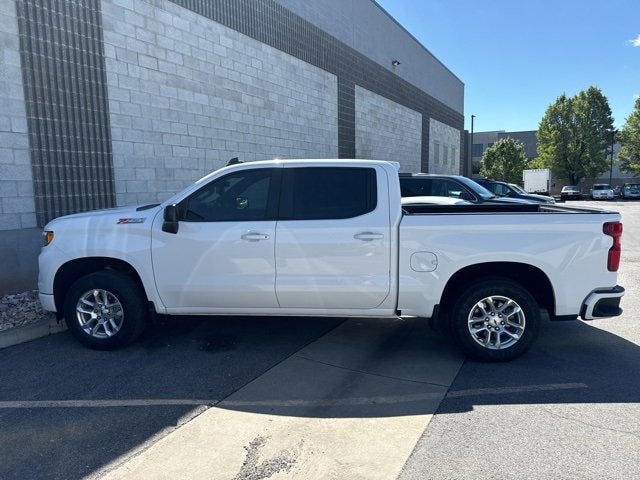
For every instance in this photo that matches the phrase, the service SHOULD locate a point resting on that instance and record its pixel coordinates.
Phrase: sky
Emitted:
(517, 57)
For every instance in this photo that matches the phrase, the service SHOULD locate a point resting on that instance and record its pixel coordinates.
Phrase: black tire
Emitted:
(506, 337)
(115, 313)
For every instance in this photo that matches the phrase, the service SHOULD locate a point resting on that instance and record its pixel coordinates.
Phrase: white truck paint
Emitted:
(537, 180)
(462, 265)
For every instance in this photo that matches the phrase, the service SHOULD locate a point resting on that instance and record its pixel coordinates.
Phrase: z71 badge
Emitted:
(126, 221)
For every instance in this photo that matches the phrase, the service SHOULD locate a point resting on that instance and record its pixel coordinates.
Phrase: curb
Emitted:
(32, 331)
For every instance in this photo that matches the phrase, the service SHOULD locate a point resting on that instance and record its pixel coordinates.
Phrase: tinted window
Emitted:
(428, 187)
(242, 195)
(446, 188)
(501, 189)
(415, 187)
(322, 193)
(476, 188)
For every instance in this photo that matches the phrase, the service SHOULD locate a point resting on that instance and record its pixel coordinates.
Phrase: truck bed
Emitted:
(493, 209)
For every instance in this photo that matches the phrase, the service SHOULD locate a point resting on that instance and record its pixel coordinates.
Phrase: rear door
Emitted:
(333, 238)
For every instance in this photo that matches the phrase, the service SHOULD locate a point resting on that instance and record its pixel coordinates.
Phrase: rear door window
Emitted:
(323, 193)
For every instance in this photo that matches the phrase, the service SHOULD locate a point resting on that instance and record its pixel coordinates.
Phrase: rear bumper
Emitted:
(603, 302)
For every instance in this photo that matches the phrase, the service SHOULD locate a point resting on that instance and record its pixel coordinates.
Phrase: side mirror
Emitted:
(171, 220)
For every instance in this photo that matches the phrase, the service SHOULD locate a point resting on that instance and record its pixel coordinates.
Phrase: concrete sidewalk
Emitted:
(31, 331)
(351, 405)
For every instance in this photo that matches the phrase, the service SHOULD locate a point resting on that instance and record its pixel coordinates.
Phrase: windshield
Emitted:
(601, 186)
(477, 188)
(632, 187)
(517, 188)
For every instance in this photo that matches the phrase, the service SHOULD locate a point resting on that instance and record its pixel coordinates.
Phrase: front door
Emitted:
(223, 253)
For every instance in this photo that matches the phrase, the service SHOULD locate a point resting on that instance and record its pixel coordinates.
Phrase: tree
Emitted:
(574, 134)
(629, 155)
(504, 160)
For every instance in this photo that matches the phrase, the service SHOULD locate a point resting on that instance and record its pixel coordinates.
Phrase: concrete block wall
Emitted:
(386, 130)
(444, 151)
(186, 94)
(367, 28)
(17, 207)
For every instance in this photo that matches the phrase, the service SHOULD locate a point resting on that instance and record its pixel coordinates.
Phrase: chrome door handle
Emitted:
(254, 236)
(368, 236)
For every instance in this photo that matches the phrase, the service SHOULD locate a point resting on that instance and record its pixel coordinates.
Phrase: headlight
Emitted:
(47, 237)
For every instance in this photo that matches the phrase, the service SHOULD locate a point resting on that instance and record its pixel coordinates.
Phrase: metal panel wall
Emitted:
(66, 102)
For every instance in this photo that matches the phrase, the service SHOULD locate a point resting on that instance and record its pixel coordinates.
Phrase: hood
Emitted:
(511, 201)
(115, 216)
(538, 198)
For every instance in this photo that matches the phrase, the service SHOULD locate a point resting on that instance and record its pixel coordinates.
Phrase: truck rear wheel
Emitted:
(105, 310)
(495, 320)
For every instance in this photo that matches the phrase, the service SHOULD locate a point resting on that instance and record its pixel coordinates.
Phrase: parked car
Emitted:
(511, 190)
(428, 185)
(570, 192)
(617, 191)
(602, 191)
(631, 190)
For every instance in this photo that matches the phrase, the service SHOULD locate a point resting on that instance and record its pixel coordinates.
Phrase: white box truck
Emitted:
(537, 180)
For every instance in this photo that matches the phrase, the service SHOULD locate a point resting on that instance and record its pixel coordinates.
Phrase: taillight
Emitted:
(613, 229)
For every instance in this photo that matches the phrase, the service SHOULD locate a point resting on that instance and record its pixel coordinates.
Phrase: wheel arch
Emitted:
(71, 271)
(531, 278)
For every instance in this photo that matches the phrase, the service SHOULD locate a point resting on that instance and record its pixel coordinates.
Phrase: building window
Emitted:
(489, 145)
(436, 153)
(477, 149)
(445, 159)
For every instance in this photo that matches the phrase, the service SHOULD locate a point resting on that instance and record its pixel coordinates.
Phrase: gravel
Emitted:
(19, 309)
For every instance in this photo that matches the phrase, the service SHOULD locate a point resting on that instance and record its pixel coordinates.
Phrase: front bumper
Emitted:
(603, 302)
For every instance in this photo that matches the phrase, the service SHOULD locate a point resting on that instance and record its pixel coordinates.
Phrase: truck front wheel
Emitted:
(495, 320)
(105, 310)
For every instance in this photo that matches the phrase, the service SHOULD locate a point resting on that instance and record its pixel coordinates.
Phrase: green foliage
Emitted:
(537, 163)
(504, 160)
(630, 138)
(574, 134)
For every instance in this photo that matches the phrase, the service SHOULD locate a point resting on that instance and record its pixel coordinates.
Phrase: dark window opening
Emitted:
(323, 193)
(239, 196)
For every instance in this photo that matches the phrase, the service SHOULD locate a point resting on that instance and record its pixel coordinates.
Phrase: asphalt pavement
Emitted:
(584, 425)
(254, 398)
(66, 411)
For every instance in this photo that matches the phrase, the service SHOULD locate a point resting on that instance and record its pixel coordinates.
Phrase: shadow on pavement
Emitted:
(362, 369)
(571, 362)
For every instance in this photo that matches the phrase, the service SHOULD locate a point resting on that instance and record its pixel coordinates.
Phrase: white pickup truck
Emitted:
(330, 238)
